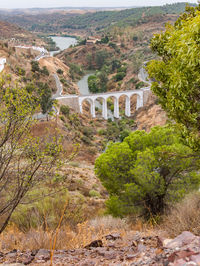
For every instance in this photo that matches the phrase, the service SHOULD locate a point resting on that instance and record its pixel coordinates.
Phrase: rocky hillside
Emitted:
(22, 68)
(10, 31)
(133, 248)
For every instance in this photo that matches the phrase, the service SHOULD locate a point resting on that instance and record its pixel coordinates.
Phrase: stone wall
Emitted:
(71, 102)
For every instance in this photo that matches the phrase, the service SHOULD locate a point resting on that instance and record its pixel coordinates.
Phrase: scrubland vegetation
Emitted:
(147, 178)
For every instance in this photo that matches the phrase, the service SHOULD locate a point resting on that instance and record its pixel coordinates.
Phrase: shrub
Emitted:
(184, 216)
(119, 76)
(64, 109)
(21, 71)
(62, 118)
(139, 85)
(94, 193)
(112, 44)
(60, 71)
(26, 161)
(87, 131)
(147, 172)
(35, 66)
(125, 133)
(86, 140)
(105, 39)
(45, 71)
(101, 132)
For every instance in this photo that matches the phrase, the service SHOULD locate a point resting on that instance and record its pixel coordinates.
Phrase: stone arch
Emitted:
(139, 99)
(126, 103)
(133, 103)
(103, 105)
(115, 111)
(90, 102)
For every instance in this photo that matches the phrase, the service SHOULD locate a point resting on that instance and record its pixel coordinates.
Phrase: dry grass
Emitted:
(66, 238)
(108, 223)
(184, 216)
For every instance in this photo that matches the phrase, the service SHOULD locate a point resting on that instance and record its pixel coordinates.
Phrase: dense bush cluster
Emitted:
(147, 171)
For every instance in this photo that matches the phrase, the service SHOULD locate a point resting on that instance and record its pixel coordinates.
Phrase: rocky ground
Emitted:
(114, 249)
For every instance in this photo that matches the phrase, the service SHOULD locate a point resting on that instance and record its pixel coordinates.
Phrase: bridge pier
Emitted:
(93, 108)
(105, 109)
(116, 107)
(128, 106)
(140, 101)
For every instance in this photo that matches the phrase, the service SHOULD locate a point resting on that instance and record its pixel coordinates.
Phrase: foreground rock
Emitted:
(134, 249)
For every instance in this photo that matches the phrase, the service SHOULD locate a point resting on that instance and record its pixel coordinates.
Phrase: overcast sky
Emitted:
(84, 3)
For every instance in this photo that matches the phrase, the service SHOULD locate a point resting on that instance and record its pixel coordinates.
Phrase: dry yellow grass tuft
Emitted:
(184, 216)
(65, 237)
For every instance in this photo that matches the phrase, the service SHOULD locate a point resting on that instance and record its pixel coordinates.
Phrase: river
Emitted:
(64, 43)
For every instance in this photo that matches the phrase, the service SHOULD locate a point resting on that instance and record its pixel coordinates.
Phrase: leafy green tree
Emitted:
(89, 59)
(45, 71)
(177, 73)
(60, 71)
(98, 82)
(105, 39)
(119, 76)
(35, 66)
(115, 64)
(101, 58)
(46, 102)
(65, 110)
(25, 160)
(92, 83)
(147, 172)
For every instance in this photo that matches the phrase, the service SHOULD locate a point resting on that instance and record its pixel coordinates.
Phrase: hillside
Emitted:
(87, 20)
(9, 31)
(82, 189)
(132, 17)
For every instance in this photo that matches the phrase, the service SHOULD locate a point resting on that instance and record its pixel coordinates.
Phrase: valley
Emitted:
(95, 155)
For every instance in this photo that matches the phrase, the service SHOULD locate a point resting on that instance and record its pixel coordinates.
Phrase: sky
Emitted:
(84, 3)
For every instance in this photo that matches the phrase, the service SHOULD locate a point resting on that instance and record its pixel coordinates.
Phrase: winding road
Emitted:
(142, 76)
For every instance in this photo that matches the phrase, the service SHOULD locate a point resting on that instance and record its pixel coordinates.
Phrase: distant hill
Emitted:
(21, 36)
(132, 17)
(85, 19)
(8, 30)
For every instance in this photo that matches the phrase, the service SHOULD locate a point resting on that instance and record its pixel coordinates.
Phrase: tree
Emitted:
(46, 102)
(25, 161)
(147, 172)
(98, 82)
(35, 66)
(101, 58)
(177, 73)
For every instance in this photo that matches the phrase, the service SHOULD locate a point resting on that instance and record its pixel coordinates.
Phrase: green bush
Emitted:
(62, 118)
(87, 131)
(86, 140)
(95, 194)
(147, 172)
(139, 85)
(101, 132)
(64, 109)
(45, 71)
(125, 133)
(35, 66)
(21, 71)
(119, 76)
(60, 71)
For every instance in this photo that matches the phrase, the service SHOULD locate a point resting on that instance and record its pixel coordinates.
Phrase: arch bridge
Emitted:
(116, 95)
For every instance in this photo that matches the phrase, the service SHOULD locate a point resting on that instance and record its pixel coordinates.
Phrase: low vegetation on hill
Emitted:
(52, 193)
(91, 21)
